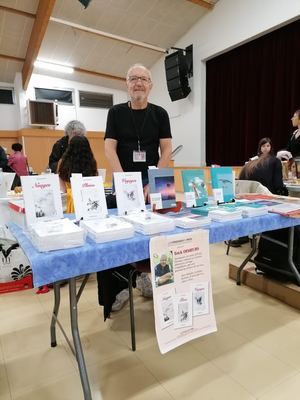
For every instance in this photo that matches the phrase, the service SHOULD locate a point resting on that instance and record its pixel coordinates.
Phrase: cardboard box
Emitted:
(288, 293)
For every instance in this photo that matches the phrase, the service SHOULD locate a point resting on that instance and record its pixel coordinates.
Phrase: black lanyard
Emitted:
(140, 131)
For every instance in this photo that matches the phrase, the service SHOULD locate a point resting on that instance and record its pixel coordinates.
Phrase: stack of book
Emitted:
(253, 210)
(188, 220)
(107, 229)
(149, 223)
(56, 235)
(225, 214)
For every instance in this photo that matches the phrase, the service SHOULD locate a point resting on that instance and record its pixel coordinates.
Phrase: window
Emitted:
(95, 100)
(6, 96)
(61, 96)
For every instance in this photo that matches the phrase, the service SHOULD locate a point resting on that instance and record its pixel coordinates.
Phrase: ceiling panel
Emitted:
(157, 22)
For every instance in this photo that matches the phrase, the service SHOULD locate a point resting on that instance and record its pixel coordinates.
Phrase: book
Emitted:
(55, 235)
(253, 209)
(108, 229)
(129, 192)
(162, 187)
(149, 223)
(223, 178)
(88, 196)
(42, 198)
(223, 214)
(193, 181)
(192, 221)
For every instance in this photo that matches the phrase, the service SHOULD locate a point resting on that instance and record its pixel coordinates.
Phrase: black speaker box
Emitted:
(177, 75)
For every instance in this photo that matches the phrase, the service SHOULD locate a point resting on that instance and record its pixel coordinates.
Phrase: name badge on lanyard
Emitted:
(139, 156)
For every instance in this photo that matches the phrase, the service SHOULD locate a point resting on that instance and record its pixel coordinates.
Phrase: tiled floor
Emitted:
(255, 354)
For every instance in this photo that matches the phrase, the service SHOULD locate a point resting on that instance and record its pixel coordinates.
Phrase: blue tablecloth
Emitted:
(63, 264)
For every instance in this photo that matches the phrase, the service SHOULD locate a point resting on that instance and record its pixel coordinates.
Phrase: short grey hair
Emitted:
(139, 66)
(76, 128)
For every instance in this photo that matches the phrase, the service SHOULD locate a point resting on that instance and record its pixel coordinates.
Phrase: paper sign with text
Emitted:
(182, 293)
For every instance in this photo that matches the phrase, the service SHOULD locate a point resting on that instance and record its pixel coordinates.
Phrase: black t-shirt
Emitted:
(127, 126)
(294, 145)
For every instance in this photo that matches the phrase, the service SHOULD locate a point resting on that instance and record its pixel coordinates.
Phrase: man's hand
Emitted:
(146, 194)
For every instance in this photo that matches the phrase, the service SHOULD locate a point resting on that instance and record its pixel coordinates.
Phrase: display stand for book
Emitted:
(47, 228)
(91, 209)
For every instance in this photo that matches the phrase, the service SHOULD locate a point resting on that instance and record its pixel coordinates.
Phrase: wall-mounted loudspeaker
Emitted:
(178, 69)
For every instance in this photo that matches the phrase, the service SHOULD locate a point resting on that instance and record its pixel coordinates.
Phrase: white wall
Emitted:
(231, 23)
(15, 116)
(8, 112)
(94, 119)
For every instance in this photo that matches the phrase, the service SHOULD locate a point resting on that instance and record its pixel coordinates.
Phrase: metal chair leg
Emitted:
(131, 309)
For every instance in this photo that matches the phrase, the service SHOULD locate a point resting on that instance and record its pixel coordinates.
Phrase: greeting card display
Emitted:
(90, 207)
(129, 192)
(44, 216)
(193, 182)
(88, 196)
(42, 198)
(6, 180)
(162, 187)
(223, 178)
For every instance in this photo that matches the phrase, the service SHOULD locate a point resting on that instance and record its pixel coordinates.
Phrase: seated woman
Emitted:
(78, 158)
(266, 169)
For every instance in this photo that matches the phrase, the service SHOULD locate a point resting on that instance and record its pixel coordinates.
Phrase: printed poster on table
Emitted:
(182, 293)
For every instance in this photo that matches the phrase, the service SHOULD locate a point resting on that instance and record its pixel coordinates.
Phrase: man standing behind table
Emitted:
(73, 128)
(137, 130)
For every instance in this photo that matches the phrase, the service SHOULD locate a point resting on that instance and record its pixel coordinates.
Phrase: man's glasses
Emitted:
(134, 79)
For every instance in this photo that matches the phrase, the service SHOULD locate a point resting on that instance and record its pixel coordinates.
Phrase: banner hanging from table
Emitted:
(182, 293)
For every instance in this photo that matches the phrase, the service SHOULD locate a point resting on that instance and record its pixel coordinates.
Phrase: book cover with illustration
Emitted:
(129, 192)
(162, 182)
(193, 181)
(223, 178)
(88, 196)
(42, 198)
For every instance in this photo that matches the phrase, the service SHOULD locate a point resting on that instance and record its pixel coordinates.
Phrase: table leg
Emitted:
(248, 258)
(56, 289)
(76, 340)
(291, 254)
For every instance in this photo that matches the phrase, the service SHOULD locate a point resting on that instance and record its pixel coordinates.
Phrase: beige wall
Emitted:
(38, 145)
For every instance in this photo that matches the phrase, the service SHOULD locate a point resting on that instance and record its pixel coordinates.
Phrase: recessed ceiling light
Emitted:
(53, 67)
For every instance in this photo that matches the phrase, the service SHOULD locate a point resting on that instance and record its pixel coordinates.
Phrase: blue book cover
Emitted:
(161, 180)
(193, 181)
(222, 178)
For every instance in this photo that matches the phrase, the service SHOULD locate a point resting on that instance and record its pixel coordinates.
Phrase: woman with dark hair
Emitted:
(265, 147)
(266, 169)
(78, 158)
(293, 145)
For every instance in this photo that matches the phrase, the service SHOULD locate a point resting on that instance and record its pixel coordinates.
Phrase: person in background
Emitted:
(264, 147)
(3, 159)
(18, 163)
(137, 130)
(293, 146)
(266, 169)
(78, 158)
(73, 128)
